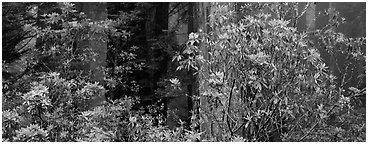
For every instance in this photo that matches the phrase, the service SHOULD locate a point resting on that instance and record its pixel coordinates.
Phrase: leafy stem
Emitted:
(315, 125)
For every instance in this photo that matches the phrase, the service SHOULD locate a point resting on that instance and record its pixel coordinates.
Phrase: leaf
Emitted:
(258, 85)
(177, 58)
(355, 90)
(193, 36)
(175, 81)
(260, 58)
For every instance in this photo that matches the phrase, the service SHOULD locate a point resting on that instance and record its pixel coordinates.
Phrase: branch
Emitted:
(30, 39)
(314, 126)
(304, 10)
(269, 118)
(172, 10)
(235, 130)
(297, 123)
(228, 108)
(344, 81)
(298, 16)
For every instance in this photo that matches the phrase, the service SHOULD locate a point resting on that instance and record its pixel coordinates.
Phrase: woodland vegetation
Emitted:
(241, 72)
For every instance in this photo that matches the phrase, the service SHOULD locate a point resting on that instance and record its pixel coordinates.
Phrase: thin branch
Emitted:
(344, 81)
(228, 108)
(30, 39)
(47, 67)
(269, 118)
(297, 123)
(304, 10)
(173, 9)
(314, 126)
(235, 130)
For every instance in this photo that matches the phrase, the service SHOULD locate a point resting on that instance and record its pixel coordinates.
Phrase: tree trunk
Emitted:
(95, 43)
(332, 61)
(206, 123)
(193, 87)
(311, 17)
(97, 12)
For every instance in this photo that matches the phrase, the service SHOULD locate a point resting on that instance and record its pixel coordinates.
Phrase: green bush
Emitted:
(56, 109)
(264, 80)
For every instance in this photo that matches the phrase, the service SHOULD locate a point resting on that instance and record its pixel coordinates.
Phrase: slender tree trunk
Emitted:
(333, 64)
(206, 119)
(311, 17)
(192, 88)
(150, 32)
(95, 43)
(97, 12)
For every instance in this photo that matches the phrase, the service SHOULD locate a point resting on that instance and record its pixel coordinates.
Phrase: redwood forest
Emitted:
(183, 72)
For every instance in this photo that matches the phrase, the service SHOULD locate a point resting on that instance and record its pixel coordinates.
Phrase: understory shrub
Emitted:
(260, 80)
(56, 109)
(263, 80)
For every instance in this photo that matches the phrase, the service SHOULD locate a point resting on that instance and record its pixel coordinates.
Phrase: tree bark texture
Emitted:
(206, 119)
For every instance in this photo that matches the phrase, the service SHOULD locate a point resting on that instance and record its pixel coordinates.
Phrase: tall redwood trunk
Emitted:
(206, 120)
(95, 43)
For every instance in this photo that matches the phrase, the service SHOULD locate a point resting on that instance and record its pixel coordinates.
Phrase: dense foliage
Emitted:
(52, 97)
(265, 81)
(262, 80)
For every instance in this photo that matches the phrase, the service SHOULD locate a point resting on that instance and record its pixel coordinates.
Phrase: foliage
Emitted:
(264, 80)
(59, 106)
(54, 110)
(123, 60)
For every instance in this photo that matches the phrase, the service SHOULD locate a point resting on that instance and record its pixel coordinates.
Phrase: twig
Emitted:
(297, 123)
(314, 126)
(304, 10)
(269, 118)
(30, 39)
(344, 81)
(236, 129)
(173, 9)
(299, 16)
